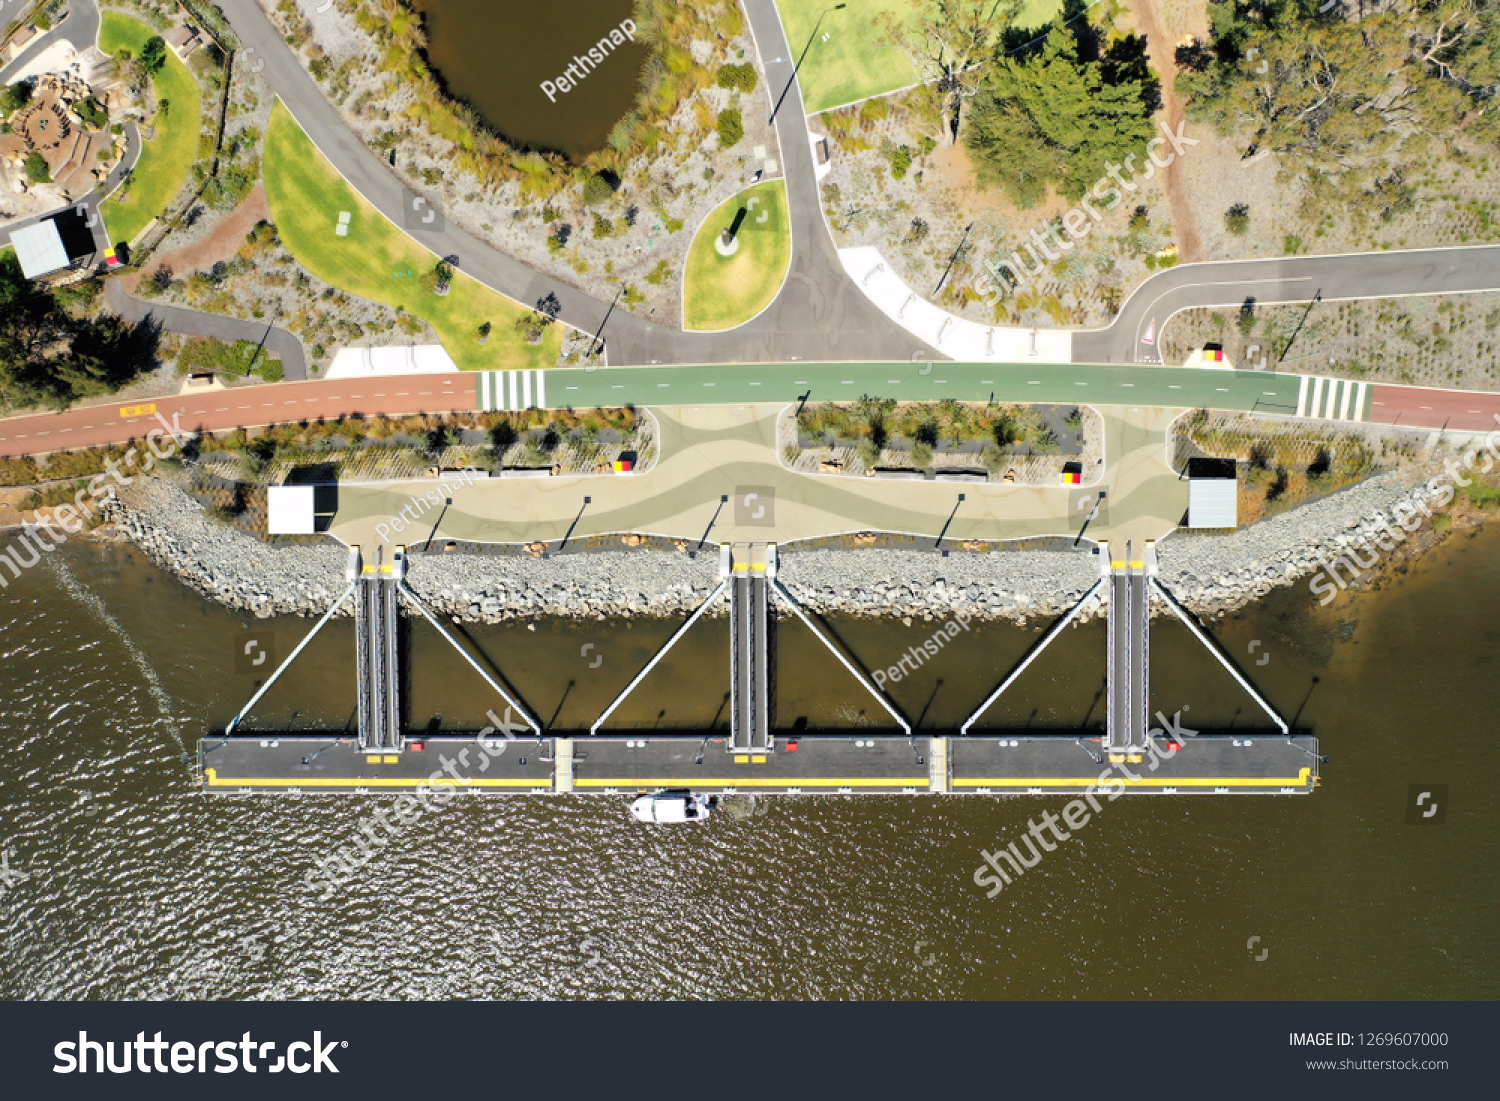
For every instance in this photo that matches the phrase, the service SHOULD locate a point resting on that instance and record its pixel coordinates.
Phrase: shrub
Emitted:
(900, 162)
(738, 77)
(1237, 219)
(597, 189)
(36, 169)
(730, 127)
(92, 113)
(921, 454)
(926, 145)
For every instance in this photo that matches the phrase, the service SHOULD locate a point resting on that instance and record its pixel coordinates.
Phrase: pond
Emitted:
(512, 62)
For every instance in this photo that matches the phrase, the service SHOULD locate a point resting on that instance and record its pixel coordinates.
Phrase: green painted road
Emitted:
(1052, 383)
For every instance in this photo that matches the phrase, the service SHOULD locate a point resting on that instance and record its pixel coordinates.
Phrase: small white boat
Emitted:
(672, 806)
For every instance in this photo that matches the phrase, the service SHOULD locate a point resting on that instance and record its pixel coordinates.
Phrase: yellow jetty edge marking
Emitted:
(740, 781)
(759, 760)
(212, 776)
(137, 410)
(1145, 781)
(742, 760)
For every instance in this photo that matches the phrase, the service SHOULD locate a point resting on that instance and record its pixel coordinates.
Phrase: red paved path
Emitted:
(249, 406)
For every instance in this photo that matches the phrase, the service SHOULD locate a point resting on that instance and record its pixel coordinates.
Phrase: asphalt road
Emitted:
(81, 28)
(1282, 280)
(193, 323)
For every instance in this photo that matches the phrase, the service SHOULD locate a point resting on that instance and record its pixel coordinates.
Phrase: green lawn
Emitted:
(376, 260)
(852, 64)
(166, 158)
(722, 292)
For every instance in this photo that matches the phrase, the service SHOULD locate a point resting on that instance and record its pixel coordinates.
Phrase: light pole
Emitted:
(796, 67)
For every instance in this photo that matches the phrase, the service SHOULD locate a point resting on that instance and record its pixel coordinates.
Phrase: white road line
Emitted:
(1317, 397)
(1302, 397)
(541, 389)
(1359, 402)
(1344, 405)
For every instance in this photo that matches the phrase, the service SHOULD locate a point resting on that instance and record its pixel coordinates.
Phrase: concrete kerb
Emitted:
(785, 275)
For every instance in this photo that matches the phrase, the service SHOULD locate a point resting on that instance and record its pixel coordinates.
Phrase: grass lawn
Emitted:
(852, 64)
(166, 158)
(376, 260)
(721, 292)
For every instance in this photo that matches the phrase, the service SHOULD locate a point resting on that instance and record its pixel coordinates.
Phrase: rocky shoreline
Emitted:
(1211, 574)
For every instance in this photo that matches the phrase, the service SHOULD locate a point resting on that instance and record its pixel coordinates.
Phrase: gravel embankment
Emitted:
(1209, 573)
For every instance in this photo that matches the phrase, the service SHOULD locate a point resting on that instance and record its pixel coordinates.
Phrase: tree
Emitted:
(948, 45)
(36, 168)
(154, 54)
(1052, 118)
(14, 96)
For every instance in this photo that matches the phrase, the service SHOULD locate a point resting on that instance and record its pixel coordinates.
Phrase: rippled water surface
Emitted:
(136, 886)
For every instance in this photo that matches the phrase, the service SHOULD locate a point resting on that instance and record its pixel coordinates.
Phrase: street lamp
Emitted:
(796, 67)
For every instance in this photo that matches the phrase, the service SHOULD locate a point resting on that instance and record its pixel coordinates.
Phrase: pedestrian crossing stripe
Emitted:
(508, 391)
(1333, 399)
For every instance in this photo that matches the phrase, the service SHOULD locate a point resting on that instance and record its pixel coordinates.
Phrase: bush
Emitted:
(738, 77)
(921, 455)
(1237, 219)
(730, 127)
(92, 113)
(597, 189)
(900, 162)
(438, 280)
(36, 169)
(154, 54)
(926, 145)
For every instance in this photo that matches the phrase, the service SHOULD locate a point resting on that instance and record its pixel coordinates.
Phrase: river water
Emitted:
(135, 886)
(496, 57)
